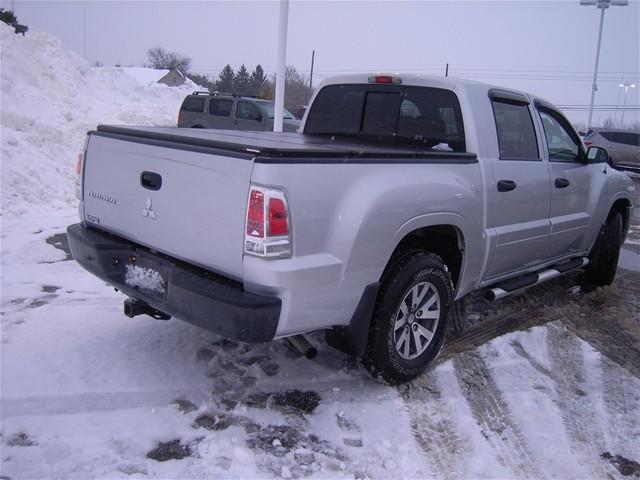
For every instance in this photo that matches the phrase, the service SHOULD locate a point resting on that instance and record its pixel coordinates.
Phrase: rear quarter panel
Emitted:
(347, 220)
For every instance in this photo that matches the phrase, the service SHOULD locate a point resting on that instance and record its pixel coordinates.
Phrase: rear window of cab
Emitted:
(396, 114)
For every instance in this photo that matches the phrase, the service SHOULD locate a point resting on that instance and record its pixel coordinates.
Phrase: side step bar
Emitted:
(518, 284)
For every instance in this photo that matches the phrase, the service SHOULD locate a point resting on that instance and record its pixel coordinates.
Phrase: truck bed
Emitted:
(272, 147)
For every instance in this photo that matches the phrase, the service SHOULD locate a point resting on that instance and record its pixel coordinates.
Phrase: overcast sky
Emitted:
(544, 47)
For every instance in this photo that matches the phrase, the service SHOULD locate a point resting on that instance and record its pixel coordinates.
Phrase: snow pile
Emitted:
(50, 98)
(144, 76)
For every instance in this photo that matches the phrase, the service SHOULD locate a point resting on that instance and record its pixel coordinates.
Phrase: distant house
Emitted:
(174, 78)
(148, 76)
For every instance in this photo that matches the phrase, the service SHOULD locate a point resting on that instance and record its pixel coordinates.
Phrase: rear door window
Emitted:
(193, 104)
(516, 136)
(220, 107)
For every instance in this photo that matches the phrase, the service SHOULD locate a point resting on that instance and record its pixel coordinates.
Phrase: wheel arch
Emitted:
(441, 237)
(623, 206)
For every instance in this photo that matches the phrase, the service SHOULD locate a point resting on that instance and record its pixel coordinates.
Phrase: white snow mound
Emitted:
(50, 97)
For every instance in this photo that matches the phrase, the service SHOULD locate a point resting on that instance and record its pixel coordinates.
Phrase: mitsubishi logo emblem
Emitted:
(149, 212)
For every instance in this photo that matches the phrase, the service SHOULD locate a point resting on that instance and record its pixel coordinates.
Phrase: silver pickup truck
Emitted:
(401, 195)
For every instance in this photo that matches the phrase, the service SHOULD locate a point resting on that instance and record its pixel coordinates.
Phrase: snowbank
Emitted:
(50, 98)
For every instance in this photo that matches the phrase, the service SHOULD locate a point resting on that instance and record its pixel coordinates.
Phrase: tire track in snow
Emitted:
(572, 398)
(492, 414)
(621, 394)
(432, 428)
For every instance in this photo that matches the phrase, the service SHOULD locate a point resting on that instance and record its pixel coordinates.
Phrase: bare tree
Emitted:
(296, 88)
(159, 58)
(609, 123)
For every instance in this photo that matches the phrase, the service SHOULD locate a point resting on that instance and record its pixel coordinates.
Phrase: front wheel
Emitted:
(408, 326)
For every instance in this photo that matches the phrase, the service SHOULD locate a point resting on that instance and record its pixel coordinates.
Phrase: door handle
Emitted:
(562, 183)
(506, 185)
(235, 122)
(151, 180)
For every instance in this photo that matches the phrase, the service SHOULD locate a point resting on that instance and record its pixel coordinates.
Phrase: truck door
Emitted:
(571, 181)
(520, 188)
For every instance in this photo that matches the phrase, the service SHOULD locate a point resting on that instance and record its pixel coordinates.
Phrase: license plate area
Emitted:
(146, 275)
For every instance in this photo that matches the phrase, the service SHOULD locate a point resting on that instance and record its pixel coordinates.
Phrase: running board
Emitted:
(519, 284)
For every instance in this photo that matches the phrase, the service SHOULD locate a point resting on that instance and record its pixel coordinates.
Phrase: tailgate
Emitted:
(198, 212)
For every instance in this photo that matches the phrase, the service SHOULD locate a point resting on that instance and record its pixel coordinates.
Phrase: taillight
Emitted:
(277, 217)
(255, 214)
(587, 142)
(79, 167)
(267, 232)
(79, 163)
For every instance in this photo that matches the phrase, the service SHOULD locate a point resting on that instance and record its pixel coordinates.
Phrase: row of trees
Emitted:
(242, 82)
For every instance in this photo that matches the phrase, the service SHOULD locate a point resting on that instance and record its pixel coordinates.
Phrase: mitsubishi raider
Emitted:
(400, 195)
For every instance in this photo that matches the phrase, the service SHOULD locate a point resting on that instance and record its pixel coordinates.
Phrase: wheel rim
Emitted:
(416, 320)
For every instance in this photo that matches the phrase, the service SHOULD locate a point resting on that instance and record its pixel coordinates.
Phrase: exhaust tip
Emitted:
(490, 295)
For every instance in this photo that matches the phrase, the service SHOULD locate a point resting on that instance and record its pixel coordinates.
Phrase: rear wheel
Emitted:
(409, 322)
(605, 253)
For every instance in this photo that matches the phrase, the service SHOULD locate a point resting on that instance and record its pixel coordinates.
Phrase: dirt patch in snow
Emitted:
(625, 466)
(172, 450)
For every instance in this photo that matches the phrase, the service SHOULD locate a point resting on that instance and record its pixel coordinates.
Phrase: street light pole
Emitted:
(602, 5)
(626, 86)
(282, 66)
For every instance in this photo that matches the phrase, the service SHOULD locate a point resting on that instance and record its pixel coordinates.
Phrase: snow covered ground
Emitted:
(89, 393)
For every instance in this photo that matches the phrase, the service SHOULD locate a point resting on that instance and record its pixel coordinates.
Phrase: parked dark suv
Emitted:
(623, 146)
(230, 112)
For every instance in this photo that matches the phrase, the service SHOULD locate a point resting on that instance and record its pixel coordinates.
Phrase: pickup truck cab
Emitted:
(401, 194)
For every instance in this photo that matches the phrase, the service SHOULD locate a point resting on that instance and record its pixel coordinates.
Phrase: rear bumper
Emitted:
(189, 293)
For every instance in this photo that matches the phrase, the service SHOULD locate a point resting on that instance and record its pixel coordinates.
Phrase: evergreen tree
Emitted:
(241, 82)
(226, 78)
(8, 17)
(258, 81)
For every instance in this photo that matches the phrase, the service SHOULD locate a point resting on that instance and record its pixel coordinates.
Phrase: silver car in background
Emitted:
(623, 146)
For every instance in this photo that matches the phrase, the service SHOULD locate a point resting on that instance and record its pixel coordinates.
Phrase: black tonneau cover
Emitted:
(272, 147)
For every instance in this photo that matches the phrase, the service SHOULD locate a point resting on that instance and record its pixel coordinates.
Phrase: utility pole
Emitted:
(313, 54)
(446, 71)
(282, 65)
(602, 5)
(84, 33)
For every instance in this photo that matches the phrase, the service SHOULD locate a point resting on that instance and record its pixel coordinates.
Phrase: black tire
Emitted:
(424, 271)
(605, 252)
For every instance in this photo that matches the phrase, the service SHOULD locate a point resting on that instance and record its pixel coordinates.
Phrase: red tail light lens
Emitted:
(255, 214)
(79, 163)
(587, 142)
(277, 217)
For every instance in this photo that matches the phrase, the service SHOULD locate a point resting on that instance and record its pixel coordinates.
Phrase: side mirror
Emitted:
(597, 155)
